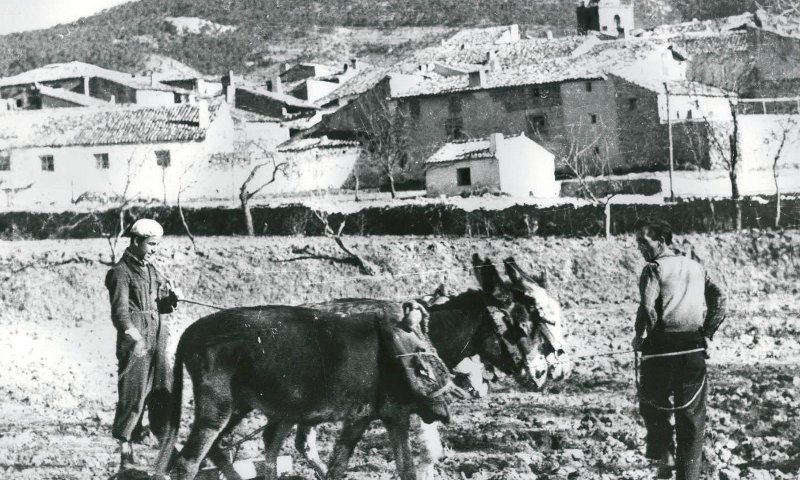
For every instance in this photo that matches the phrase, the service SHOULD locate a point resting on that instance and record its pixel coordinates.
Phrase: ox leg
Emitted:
(352, 431)
(213, 410)
(274, 435)
(431, 450)
(219, 456)
(306, 443)
(398, 427)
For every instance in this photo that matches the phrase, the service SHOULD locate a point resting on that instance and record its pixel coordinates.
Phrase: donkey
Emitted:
(306, 366)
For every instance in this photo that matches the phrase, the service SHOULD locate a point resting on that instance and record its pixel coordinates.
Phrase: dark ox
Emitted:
(305, 366)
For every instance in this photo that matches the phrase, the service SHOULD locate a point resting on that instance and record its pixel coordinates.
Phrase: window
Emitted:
(689, 115)
(463, 177)
(632, 103)
(593, 117)
(588, 86)
(454, 128)
(5, 160)
(537, 125)
(101, 160)
(535, 92)
(454, 105)
(48, 163)
(414, 108)
(163, 159)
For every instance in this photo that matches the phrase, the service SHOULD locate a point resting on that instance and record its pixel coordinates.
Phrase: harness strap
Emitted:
(673, 354)
(414, 354)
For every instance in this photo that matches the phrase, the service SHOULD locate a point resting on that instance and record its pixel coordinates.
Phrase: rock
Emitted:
(758, 474)
(729, 474)
(574, 453)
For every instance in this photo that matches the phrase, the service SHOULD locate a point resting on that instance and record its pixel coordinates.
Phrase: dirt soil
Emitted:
(58, 380)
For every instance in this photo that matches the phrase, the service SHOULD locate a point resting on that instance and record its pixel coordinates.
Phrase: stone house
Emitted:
(517, 166)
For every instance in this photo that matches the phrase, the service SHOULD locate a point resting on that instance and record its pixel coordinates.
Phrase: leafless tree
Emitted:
(186, 180)
(269, 162)
(780, 138)
(12, 191)
(366, 267)
(384, 127)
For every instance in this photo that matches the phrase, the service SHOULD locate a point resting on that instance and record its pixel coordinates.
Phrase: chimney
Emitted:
(513, 31)
(345, 67)
(354, 63)
(492, 61)
(284, 67)
(152, 80)
(549, 34)
(86, 86)
(477, 78)
(495, 140)
(203, 117)
(274, 85)
(229, 87)
(112, 100)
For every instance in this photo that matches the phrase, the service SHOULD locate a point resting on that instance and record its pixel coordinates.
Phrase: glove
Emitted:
(172, 299)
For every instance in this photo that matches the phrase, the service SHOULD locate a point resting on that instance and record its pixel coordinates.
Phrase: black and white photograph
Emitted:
(413, 240)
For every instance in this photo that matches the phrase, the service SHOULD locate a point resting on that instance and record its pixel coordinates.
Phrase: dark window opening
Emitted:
(414, 108)
(463, 177)
(48, 163)
(536, 92)
(101, 160)
(537, 125)
(593, 116)
(588, 86)
(163, 159)
(454, 128)
(5, 160)
(632, 103)
(689, 115)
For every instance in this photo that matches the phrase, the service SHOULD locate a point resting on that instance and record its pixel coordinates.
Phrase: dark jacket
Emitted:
(138, 293)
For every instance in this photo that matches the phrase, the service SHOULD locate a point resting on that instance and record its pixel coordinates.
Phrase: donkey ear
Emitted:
(513, 271)
(477, 268)
(490, 277)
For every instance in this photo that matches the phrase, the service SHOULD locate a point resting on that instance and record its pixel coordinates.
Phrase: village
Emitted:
(702, 109)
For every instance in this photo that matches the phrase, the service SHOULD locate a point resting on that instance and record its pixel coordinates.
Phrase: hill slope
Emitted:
(123, 36)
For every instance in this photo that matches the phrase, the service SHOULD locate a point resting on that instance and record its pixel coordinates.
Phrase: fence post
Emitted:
(607, 211)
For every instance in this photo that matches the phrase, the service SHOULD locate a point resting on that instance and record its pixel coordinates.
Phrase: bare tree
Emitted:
(780, 138)
(384, 127)
(274, 166)
(366, 267)
(186, 180)
(12, 191)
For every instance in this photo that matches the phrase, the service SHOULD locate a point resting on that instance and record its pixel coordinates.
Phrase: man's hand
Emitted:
(709, 346)
(173, 297)
(636, 343)
(139, 348)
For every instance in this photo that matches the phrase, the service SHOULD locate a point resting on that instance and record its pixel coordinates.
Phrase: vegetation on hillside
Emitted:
(122, 37)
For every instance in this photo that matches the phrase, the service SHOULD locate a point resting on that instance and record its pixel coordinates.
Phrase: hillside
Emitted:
(268, 31)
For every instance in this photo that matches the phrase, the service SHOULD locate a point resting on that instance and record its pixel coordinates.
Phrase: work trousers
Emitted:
(682, 377)
(144, 381)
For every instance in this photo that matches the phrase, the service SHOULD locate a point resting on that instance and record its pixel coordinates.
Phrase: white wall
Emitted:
(317, 89)
(716, 109)
(607, 12)
(442, 180)
(526, 169)
(760, 137)
(76, 171)
(154, 98)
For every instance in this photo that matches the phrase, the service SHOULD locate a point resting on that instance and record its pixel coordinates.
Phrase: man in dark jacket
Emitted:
(138, 295)
(681, 308)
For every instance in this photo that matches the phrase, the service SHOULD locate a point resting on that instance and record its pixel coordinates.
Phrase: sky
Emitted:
(22, 15)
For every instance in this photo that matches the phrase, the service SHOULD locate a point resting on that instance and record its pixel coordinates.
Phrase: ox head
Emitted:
(547, 356)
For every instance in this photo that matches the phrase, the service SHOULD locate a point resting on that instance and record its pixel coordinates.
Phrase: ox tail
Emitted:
(174, 422)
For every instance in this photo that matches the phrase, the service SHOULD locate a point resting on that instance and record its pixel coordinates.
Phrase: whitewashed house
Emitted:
(53, 158)
(517, 166)
(319, 163)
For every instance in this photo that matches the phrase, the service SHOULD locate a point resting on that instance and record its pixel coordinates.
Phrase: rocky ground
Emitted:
(57, 387)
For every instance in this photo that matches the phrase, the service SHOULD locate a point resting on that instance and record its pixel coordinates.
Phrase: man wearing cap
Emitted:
(138, 295)
(680, 310)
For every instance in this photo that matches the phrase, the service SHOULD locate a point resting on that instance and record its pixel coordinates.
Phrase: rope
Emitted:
(673, 354)
(646, 401)
(194, 302)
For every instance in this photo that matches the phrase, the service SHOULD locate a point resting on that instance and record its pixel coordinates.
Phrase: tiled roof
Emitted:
(70, 96)
(61, 127)
(283, 98)
(594, 63)
(675, 87)
(240, 115)
(787, 25)
(367, 77)
(712, 26)
(721, 43)
(510, 55)
(463, 150)
(63, 71)
(480, 36)
(315, 143)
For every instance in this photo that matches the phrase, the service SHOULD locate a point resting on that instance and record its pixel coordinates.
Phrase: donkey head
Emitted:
(548, 355)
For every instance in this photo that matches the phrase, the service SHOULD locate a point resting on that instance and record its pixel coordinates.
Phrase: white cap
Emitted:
(146, 228)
